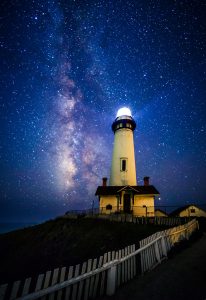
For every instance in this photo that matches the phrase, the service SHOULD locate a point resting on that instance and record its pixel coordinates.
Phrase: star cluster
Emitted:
(67, 67)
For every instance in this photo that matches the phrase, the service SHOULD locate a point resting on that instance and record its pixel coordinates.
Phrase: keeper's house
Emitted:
(137, 200)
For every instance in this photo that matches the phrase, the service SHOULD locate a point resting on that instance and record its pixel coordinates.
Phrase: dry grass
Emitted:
(63, 242)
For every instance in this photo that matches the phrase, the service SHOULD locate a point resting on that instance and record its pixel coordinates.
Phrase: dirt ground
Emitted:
(181, 277)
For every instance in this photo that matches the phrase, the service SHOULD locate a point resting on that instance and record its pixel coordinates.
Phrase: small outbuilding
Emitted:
(189, 210)
(160, 213)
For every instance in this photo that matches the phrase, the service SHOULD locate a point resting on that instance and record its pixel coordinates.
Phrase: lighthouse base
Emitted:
(135, 200)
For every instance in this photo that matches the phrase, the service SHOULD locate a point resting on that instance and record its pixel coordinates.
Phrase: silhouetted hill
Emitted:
(63, 242)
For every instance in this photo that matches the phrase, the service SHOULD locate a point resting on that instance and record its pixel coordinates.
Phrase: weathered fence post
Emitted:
(186, 233)
(111, 280)
(197, 223)
(164, 250)
(157, 253)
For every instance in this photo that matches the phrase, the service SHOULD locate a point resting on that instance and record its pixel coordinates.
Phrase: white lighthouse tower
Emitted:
(123, 195)
(123, 169)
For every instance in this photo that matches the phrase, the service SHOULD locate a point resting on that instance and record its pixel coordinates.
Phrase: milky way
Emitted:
(67, 67)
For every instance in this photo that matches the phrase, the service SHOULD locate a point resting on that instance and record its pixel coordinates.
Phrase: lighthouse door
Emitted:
(127, 203)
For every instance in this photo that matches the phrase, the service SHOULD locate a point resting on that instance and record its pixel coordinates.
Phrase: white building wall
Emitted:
(123, 148)
(108, 200)
(143, 205)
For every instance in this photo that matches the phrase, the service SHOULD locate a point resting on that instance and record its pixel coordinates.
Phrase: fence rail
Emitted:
(167, 221)
(127, 217)
(97, 277)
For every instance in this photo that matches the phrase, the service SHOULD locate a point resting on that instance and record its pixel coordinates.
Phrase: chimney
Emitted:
(146, 181)
(104, 181)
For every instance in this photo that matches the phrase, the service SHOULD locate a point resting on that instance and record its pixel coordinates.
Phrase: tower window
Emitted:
(123, 164)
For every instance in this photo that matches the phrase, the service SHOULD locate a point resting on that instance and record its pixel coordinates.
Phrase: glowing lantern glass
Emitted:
(124, 111)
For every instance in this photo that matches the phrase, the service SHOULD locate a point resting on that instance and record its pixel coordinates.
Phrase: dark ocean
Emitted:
(7, 227)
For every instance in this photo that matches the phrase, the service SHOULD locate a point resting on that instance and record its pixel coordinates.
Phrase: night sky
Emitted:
(67, 67)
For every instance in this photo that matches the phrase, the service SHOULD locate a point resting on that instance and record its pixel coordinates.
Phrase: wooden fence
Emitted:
(98, 277)
(167, 221)
(123, 217)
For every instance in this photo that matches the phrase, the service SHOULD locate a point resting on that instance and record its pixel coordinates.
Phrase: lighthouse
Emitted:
(123, 168)
(123, 194)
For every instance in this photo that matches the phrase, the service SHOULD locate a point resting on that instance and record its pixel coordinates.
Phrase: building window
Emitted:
(109, 207)
(192, 210)
(123, 164)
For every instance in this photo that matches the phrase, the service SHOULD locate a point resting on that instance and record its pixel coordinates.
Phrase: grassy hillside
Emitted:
(63, 242)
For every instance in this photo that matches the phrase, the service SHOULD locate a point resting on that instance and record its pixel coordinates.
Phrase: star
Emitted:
(67, 67)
